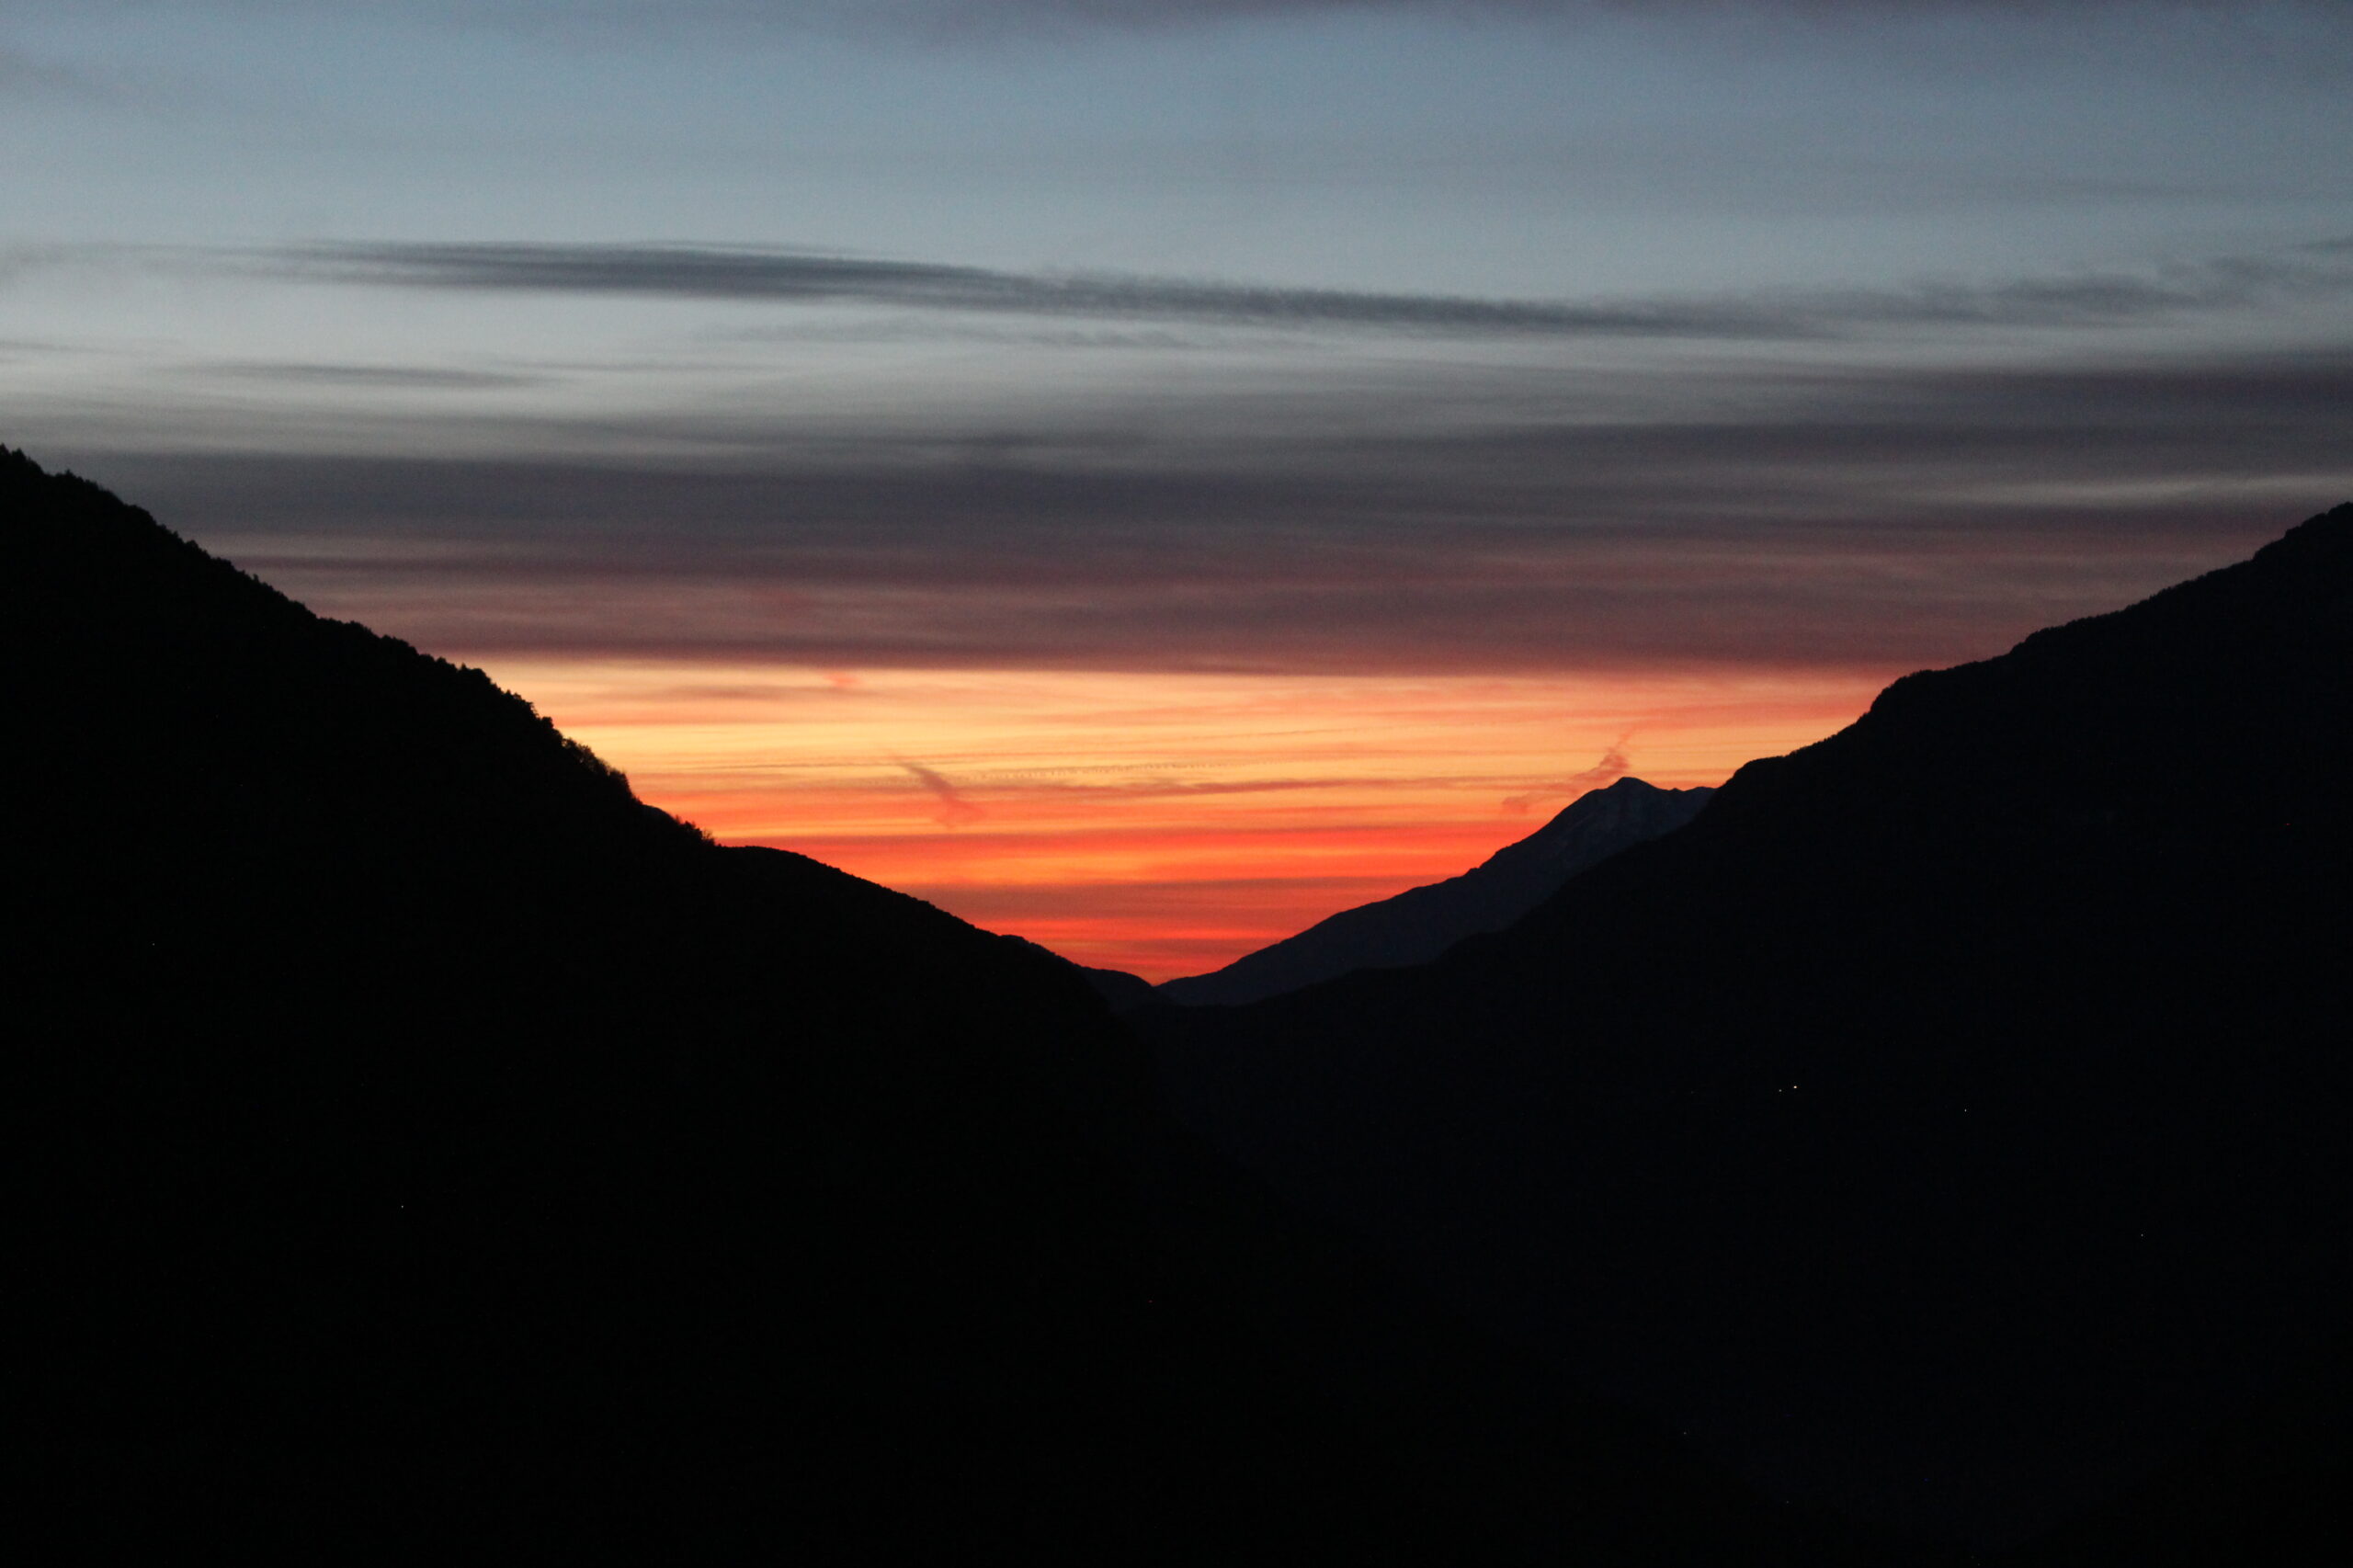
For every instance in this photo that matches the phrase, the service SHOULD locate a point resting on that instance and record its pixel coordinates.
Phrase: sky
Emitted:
(1148, 473)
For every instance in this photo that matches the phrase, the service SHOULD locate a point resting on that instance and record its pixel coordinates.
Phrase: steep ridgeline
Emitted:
(1948, 1123)
(431, 1150)
(1421, 923)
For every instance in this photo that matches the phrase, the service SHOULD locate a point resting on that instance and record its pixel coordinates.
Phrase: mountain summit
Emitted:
(1419, 923)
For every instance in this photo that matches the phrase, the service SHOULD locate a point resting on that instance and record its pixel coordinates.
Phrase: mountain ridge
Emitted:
(1939, 1126)
(1416, 925)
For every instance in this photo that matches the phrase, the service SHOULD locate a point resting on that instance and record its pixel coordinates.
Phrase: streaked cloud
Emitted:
(1173, 12)
(421, 377)
(785, 277)
(954, 809)
(782, 276)
(1881, 520)
(1152, 13)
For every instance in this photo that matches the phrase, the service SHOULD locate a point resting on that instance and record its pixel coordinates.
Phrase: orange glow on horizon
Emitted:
(1160, 823)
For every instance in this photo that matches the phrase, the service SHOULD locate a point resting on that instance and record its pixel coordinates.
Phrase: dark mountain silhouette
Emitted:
(1419, 923)
(425, 1146)
(1948, 1123)
(1123, 990)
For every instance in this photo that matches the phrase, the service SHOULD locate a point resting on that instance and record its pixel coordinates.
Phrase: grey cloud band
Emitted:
(794, 277)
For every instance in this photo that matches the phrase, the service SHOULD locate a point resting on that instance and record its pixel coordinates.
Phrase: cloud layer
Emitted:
(789, 277)
(1880, 520)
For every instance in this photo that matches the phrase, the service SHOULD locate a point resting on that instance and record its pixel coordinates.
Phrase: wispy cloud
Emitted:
(24, 75)
(421, 377)
(788, 277)
(955, 811)
(1612, 767)
(992, 17)
(1162, 12)
(798, 277)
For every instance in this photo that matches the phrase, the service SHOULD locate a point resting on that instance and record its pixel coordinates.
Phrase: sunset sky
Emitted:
(1147, 473)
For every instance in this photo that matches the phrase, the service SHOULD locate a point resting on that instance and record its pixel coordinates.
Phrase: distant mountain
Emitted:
(1117, 986)
(422, 1148)
(1948, 1124)
(1419, 923)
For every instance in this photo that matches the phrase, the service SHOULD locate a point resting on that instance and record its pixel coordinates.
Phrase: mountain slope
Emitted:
(1417, 925)
(1949, 1122)
(428, 1146)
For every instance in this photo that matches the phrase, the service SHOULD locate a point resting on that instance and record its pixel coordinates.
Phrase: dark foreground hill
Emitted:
(1419, 923)
(428, 1148)
(1952, 1122)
